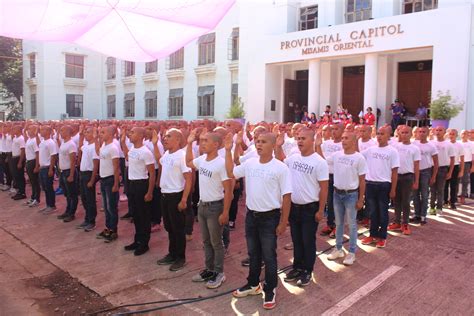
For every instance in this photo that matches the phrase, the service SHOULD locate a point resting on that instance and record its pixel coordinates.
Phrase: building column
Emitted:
(370, 81)
(314, 77)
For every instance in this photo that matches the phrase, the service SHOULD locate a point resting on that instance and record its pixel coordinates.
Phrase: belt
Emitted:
(139, 180)
(264, 214)
(105, 178)
(304, 205)
(210, 203)
(405, 174)
(443, 167)
(86, 171)
(345, 191)
(172, 193)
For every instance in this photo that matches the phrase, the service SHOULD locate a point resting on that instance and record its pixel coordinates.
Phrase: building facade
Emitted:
(277, 56)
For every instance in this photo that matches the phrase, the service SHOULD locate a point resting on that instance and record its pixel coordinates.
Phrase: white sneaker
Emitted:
(349, 260)
(33, 203)
(28, 202)
(439, 212)
(335, 254)
(49, 210)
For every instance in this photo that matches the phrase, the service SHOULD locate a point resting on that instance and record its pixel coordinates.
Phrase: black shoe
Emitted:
(141, 249)
(245, 262)
(131, 247)
(293, 275)
(168, 259)
(69, 218)
(82, 225)
(62, 216)
(452, 206)
(17, 197)
(423, 221)
(304, 279)
(415, 219)
(178, 265)
(127, 216)
(103, 233)
(110, 237)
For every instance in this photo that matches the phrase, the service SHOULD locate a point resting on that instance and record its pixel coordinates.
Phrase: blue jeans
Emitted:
(303, 235)
(260, 233)
(70, 192)
(345, 207)
(377, 199)
(109, 202)
(47, 186)
(420, 196)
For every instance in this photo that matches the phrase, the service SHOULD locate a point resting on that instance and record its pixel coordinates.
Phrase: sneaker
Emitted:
(34, 203)
(293, 275)
(110, 237)
(178, 265)
(415, 219)
(49, 210)
(82, 225)
(336, 254)
(452, 206)
(18, 197)
(203, 276)
(349, 259)
(432, 211)
(304, 279)
(127, 216)
(231, 225)
(247, 290)
(406, 229)
(29, 201)
(12, 191)
(123, 198)
(89, 227)
(216, 281)
(394, 226)
(168, 259)
(326, 231)
(423, 220)
(189, 237)
(155, 228)
(62, 216)
(69, 218)
(439, 212)
(288, 246)
(269, 299)
(103, 233)
(332, 234)
(141, 249)
(381, 243)
(368, 240)
(245, 262)
(365, 222)
(59, 191)
(6, 188)
(131, 247)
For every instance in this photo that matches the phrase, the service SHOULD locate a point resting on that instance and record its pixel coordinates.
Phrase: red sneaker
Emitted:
(326, 231)
(368, 240)
(406, 229)
(394, 226)
(381, 243)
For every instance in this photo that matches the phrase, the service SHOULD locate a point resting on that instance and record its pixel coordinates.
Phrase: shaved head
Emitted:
(269, 137)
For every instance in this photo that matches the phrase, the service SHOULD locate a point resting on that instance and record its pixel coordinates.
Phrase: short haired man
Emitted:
(67, 165)
(452, 184)
(48, 151)
(32, 164)
(468, 166)
(18, 162)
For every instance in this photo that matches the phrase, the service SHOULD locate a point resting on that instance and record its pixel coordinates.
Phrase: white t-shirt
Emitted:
(347, 169)
(2, 143)
(117, 143)
(408, 154)
(445, 152)
(265, 183)
(31, 148)
(468, 150)
(427, 151)
(290, 146)
(211, 175)
(106, 154)
(8, 143)
(148, 144)
(17, 144)
(65, 150)
(329, 147)
(88, 156)
(458, 152)
(138, 160)
(47, 148)
(364, 145)
(306, 172)
(76, 138)
(172, 168)
(380, 162)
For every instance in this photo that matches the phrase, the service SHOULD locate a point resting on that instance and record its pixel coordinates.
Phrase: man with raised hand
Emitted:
(268, 200)
(67, 165)
(47, 161)
(381, 179)
(309, 179)
(215, 192)
(350, 169)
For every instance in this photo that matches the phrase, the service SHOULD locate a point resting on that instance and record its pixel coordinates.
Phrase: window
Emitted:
(74, 105)
(207, 49)
(234, 93)
(129, 105)
(175, 103)
(206, 101)
(151, 104)
(411, 6)
(111, 68)
(234, 44)
(151, 66)
(308, 18)
(111, 106)
(176, 60)
(32, 58)
(358, 10)
(33, 105)
(74, 66)
(129, 67)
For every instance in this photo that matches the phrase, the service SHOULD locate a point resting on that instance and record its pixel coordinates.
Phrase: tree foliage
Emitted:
(444, 107)
(11, 75)
(236, 109)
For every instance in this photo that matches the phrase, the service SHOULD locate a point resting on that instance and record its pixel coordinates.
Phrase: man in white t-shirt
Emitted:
(452, 184)
(47, 161)
(309, 179)
(381, 179)
(175, 183)
(408, 179)
(268, 201)
(215, 192)
(18, 162)
(365, 141)
(350, 169)
(468, 166)
(32, 164)
(67, 164)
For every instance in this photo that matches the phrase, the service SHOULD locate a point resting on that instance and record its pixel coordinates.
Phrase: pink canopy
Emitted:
(135, 30)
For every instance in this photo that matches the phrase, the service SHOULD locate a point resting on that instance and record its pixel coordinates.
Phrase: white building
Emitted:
(274, 54)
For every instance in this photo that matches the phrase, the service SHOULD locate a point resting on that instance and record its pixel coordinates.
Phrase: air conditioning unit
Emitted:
(64, 116)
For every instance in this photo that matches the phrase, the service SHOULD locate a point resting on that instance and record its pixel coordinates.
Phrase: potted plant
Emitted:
(444, 108)
(236, 111)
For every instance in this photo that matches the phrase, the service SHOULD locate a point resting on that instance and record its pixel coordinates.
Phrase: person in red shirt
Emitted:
(369, 117)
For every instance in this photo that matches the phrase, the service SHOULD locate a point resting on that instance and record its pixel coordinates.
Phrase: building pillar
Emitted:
(370, 81)
(314, 77)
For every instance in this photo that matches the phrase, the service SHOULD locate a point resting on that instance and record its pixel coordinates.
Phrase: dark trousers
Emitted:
(156, 204)
(109, 202)
(303, 235)
(403, 197)
(34, 179)
(195, 196)
(123, 173)
(437, 189)
(377, 199)
(451, 187)
(19, 174)
(2, 169)
(70, 192)
(11, 169)
(6, 168)
(330, 203)
(142, 214)
(174, 221)
(234, 206)
(261, 244)
(420, 198)
(472, 183)
(88, 197)
(189, 217)
(47, 184)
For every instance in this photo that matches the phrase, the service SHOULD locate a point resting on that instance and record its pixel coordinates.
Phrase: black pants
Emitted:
(451, 187)
(303, 235)
(142, 210)
(156, 203)
(174, 221)
(189, 217)
(19, 174)
(88, 197)
(234, 206)
(11, 169)
(34, 179)
(6, 169)
(70, 192)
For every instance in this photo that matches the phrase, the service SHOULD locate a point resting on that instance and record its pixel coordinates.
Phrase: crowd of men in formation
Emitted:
(293, 174)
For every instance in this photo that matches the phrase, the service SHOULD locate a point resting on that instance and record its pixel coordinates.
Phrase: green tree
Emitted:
(11, 75)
